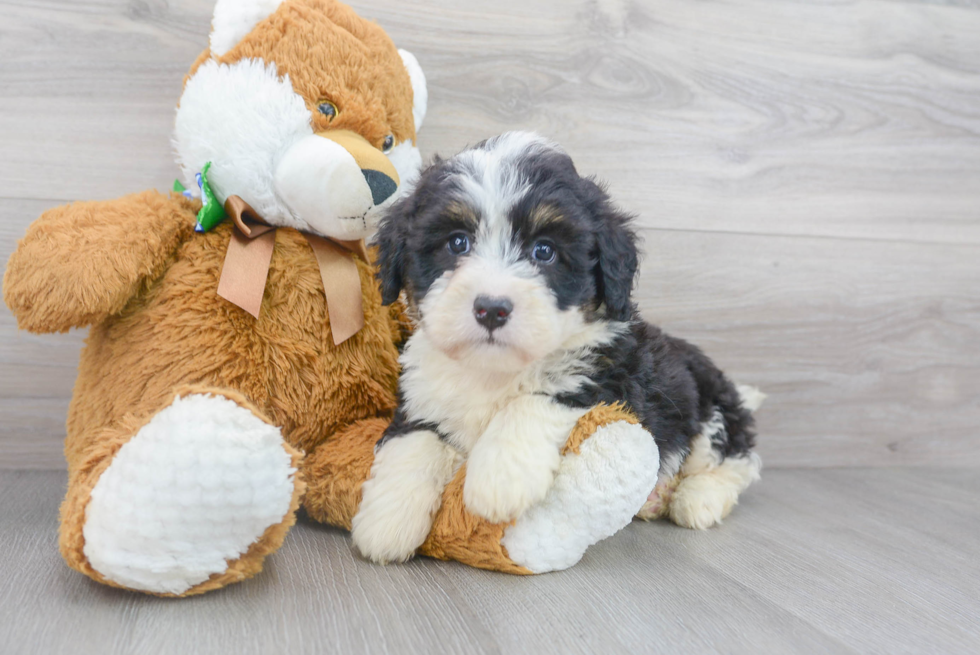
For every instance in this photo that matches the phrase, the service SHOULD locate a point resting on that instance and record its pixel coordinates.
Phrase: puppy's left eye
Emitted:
(459, 243)
(388, 144)
(543, 252)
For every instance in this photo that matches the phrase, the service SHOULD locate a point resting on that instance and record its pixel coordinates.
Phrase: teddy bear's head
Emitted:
(306, 111)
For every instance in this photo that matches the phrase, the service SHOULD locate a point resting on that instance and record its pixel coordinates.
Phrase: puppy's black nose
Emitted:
(492, 313)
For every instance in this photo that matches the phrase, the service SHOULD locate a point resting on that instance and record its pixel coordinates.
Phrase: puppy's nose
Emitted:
(492, 313)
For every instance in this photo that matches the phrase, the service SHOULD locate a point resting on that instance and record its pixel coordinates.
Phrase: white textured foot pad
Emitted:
(595, 495)
(191, 491)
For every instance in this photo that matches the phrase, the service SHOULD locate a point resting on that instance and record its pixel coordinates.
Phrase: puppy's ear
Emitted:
(617, 256)
(394, 231)
(391, 251)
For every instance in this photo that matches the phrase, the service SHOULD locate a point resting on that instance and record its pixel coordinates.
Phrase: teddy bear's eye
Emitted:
(328, 109)
(388, 144)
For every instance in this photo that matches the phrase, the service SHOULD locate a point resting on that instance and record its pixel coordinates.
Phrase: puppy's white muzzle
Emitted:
(533, 328)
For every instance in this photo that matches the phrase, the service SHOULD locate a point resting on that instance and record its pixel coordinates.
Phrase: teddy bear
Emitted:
(239, 362)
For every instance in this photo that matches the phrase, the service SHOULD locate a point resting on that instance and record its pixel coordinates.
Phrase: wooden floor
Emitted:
(812, 561)
(806, 177)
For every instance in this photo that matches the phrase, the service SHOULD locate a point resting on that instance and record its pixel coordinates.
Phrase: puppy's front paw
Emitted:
(500, 489)
(386, 534)
(402, 496)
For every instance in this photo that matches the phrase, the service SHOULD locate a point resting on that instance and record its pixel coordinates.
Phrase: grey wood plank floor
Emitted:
(806, 175)
(812, 561)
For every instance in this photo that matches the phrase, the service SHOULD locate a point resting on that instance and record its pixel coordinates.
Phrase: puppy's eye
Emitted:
(328, 109)
(543, 252)
(388, 144)
(459, 243)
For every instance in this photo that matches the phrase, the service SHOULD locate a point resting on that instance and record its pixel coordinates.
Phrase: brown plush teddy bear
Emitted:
(234, 370)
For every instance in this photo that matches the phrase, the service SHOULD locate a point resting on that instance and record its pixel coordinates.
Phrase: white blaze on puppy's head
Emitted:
(507, 254)
(311, 121)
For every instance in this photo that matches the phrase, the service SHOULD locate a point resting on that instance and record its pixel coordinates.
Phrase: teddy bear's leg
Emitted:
(335, 471)
(609, 465)
(189, 498)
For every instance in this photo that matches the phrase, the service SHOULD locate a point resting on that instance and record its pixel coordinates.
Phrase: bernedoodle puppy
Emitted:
(519, 273)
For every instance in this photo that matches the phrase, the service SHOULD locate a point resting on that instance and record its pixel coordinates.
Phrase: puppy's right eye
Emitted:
(459, 243)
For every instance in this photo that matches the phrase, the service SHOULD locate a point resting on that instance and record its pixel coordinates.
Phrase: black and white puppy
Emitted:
(519, 273)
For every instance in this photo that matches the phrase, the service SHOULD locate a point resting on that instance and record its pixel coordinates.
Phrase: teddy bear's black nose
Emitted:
(380, 184)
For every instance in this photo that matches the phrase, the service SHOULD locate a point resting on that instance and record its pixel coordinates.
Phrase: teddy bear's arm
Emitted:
(82, 262)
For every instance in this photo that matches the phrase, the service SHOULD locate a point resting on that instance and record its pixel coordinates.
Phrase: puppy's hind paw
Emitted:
(706, 498)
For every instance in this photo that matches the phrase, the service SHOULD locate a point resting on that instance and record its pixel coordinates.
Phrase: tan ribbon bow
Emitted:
(249, 255)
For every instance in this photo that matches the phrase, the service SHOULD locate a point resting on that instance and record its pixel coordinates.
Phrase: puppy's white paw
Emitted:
(383, 533)
(704, 499)
(402, 496)
(500, 486)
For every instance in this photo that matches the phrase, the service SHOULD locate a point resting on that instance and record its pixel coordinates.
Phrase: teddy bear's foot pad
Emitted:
(595, 495)
(189, 493)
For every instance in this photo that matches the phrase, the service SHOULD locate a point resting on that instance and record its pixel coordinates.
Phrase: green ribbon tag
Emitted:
(179, 188)
(211, 212)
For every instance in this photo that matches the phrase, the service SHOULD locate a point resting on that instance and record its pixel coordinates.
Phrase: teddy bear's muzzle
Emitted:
(334, 181)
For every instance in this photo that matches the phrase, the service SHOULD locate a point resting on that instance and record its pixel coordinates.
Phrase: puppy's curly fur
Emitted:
(519, 274)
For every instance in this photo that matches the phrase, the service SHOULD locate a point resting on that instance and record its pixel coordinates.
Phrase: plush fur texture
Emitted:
(243, 118)
(234, 19)
(248, 106)
(175, 331)
(171, 485)
(519, 273)
(420, 91)
(127, 244)
(86, 471)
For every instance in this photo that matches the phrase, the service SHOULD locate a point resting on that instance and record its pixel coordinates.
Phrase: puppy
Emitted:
(518, 273)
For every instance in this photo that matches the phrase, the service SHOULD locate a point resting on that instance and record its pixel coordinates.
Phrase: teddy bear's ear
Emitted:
(234, 19)
(419, 90)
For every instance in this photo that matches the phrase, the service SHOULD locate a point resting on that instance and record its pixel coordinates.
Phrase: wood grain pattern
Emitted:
(790, 572)
(806, 118)
(806, 175)
(870, 350)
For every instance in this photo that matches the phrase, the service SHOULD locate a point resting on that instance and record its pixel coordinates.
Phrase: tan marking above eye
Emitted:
(542, 215)
(463, 213)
